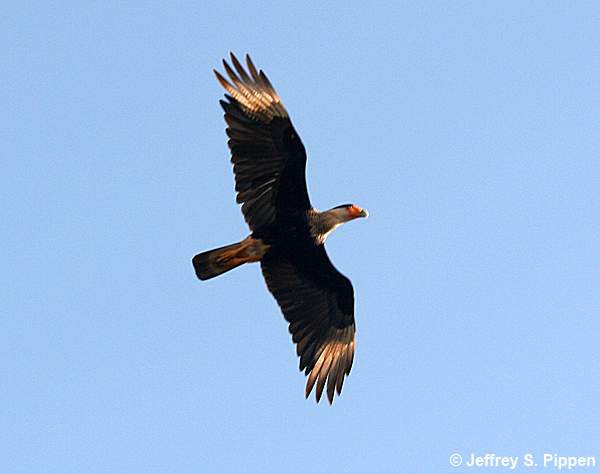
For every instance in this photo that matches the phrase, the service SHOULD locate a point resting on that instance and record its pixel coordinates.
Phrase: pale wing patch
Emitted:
(333, 363)
(254, 92)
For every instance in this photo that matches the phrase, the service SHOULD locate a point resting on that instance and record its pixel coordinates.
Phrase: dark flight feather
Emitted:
(265, 148)
(318, 302)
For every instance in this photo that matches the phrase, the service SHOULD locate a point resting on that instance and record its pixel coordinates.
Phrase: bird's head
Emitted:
(348, 212)
(330, 220)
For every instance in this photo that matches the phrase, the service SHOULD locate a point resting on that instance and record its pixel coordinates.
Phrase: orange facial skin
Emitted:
(354, 211)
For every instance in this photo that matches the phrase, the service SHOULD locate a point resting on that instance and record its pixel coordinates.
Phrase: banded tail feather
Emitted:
(217, 261)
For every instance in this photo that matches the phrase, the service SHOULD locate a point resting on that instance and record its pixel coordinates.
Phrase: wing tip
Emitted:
(331, 365)
(320, 389)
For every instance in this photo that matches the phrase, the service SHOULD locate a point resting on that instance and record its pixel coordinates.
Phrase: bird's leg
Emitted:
(248, 250)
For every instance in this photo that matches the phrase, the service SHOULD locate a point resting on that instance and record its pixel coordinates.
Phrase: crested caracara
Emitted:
(287, 233)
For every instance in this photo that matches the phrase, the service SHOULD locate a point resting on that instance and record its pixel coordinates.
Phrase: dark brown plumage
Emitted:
(288, 235)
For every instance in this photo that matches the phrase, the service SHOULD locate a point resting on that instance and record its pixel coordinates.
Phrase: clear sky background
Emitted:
(469, 130)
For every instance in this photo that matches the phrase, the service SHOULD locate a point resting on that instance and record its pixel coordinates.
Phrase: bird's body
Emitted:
(287, 233)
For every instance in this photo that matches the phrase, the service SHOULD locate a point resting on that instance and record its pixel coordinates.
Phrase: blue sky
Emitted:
(469, 130)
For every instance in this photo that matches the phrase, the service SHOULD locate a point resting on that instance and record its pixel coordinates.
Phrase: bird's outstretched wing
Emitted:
(318, 302)
(268, 156)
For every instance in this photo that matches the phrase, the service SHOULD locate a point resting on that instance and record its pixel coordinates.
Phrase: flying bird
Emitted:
(287, 233)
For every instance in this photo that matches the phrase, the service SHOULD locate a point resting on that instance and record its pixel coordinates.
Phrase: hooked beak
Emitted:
(356, 211)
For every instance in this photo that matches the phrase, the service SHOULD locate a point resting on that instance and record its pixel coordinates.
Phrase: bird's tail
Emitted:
(220, 260)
